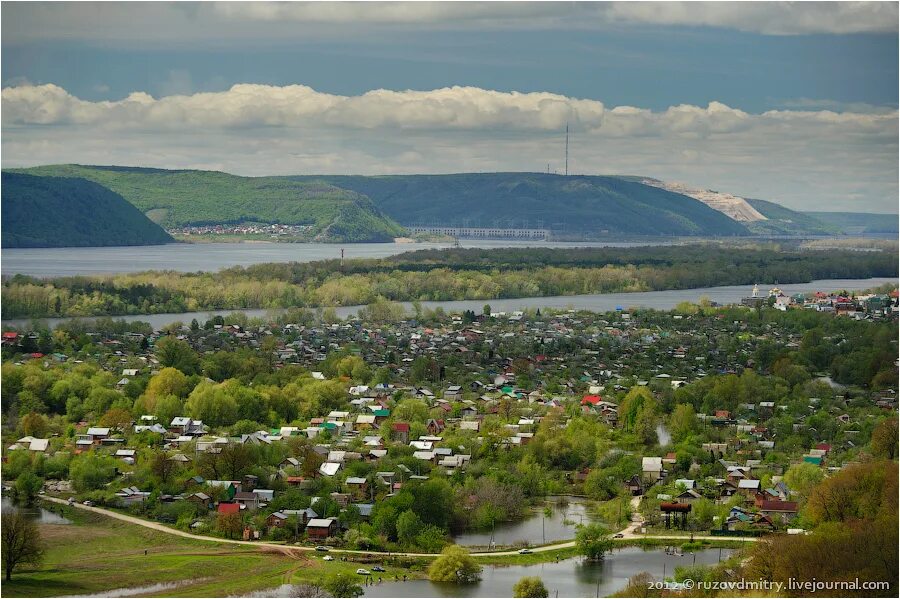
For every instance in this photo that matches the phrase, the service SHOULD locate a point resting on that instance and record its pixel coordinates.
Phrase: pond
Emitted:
(573, 577)
(39, 514)
(536, 529)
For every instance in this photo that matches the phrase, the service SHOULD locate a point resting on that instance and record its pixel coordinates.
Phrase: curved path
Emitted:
(628, 533)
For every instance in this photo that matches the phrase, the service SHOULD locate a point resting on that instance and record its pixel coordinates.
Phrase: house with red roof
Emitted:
(400, 431)
(229, 508)
(592, 400)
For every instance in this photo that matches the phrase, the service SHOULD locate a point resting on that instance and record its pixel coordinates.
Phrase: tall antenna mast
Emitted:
(567, 148)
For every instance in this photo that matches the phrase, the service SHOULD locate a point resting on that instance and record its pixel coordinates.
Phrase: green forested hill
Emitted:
(66, 212)
(859, 223)
(187, 197)
(574, 204)
(784, 221)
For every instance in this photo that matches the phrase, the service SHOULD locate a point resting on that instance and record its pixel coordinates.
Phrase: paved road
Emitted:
(628, 533)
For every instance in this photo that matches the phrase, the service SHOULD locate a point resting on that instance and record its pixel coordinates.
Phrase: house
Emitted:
(132, 495)
(329, 468)
(468, 412)
(652, 468)
(364, 422)
(365, 510)
(748, 487)
(634, 485)
(357, 486)
(183, 425)
(32, 444)
(126, 455)
(276, 520)
(453, 393)
(319, 529)
(229, 486)
(228, 508)
(289, 463)
(434, 426)
(400, 432)
(740, 519)
(96, 434)
(776, 509)
(201, 499)
(688, 496)
(265, 495)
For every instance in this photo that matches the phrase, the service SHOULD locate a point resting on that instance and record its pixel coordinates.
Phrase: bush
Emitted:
(343, 585)
(454, 565)
(530, 586)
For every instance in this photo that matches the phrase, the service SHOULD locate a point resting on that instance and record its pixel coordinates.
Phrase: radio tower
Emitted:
(567, 148)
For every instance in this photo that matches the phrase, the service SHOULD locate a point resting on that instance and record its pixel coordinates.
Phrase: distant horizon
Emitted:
(793, 102)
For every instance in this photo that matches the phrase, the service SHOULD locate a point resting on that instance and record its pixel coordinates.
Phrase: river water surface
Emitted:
(600, 302)
(191, 257)
(573, 577)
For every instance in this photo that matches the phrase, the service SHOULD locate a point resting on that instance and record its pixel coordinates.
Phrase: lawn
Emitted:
(97, 554)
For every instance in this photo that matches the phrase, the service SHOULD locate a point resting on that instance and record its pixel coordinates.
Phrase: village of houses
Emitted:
(503, 385)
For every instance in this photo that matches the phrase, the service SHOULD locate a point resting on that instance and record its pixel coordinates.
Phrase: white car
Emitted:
(363, 571)
(328, 558)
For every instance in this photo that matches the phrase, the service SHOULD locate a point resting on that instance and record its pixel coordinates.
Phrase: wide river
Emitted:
(191, 257)
(600, 302)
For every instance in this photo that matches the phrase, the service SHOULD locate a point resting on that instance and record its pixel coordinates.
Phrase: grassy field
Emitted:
(97, 554)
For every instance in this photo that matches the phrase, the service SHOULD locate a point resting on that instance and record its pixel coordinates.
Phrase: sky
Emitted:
(790, 102)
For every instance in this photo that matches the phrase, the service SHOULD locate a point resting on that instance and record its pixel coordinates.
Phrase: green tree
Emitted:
(169, 381)
(343, 585)
(34, 425)
(682, 422)
(801, 478)
(21, 541)
(593, 541)
(454, 565)
(28, 484)
(173, 352)
(884, 439)
(409, 525)
(167, 408)
(858, 491)
(530, 586)
(91, 471)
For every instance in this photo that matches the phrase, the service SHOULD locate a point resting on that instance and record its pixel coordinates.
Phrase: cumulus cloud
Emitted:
(248, 105)
(811, 159)
(455, 108)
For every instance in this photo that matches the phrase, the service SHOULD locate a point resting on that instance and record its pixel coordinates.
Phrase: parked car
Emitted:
(321, 548)
(363, 571)
(618, 535)
(328, 558)
(89, 503)
(378, 569)
(525, 551)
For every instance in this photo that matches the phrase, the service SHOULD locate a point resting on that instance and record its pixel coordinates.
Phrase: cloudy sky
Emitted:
(792, 102)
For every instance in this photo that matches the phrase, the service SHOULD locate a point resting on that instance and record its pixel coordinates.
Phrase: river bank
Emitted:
(601, 302)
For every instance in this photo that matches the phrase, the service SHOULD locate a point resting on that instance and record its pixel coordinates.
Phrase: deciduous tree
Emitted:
(454, 565)
(21, 541)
